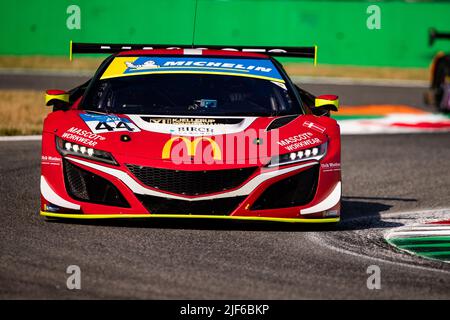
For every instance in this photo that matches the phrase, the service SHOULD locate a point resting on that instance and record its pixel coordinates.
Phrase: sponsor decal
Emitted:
(314, 126)
(301, 144)
(296, 138)
(149, 64)
(299, 141)
(83, 136)
(205, 126)
(336, 166)
(188, 121)
(191, 147)
(193, 130)
(49, 160)
(193, 121)
(100, 123)
(256, 68)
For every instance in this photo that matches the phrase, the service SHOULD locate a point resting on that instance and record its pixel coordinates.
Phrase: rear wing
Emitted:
(109, 48)
(434, 35)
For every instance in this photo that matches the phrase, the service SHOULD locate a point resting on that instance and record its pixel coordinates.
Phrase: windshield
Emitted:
(191, 87)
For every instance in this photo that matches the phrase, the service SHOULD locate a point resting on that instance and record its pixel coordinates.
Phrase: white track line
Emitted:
(21, 138)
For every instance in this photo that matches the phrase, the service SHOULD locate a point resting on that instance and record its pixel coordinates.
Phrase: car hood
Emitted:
(220, 139)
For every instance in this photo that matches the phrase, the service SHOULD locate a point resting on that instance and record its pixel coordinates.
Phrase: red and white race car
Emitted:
(191, 133)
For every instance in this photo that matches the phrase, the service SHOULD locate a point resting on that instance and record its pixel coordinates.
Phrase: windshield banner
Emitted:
(254, 68)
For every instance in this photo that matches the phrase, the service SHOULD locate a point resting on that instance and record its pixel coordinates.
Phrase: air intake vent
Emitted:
(296, 190)
(221, 206)
(279, 122)
(86, 186)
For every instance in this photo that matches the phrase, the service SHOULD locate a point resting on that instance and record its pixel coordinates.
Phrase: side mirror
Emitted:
(59, 99)
(323, 104)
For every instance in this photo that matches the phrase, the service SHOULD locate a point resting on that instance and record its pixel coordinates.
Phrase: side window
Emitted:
(307, 98)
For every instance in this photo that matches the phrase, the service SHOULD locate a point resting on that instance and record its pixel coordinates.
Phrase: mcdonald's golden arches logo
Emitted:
(192, 147)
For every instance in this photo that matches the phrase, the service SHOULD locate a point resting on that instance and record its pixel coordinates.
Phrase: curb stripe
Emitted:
(426, 229)
(419, 244)
(430, 241)
(424, 233)
(426, 245)
(433, 254)
(430, 226)
(379, 110)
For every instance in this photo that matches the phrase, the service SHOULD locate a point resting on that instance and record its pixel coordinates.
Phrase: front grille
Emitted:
(86, 186)
(191, 182)
(296, 190)
(221, 206)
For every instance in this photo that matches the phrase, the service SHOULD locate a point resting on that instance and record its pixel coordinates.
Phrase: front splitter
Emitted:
(184, 216)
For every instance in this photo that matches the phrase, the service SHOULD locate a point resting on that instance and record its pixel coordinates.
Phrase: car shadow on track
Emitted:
(360, 213)
(353, 207)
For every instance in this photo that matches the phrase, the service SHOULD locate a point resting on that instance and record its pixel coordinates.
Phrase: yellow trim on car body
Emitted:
(324, 102)
(62, 97)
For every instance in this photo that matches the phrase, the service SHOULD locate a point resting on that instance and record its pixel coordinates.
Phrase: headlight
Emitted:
(69, 148)
(314, 153)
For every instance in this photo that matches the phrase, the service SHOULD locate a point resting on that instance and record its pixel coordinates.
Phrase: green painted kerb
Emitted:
(436, 247)
(339, 28)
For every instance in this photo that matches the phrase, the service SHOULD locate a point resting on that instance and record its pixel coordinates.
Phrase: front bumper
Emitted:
(322, 206)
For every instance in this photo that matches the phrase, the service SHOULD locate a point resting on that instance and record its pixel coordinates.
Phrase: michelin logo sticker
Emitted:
(147, 65)
(254, 68)
(99, 123)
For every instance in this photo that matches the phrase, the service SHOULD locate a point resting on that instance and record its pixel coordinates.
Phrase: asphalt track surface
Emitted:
(349, 95)
(382, 175)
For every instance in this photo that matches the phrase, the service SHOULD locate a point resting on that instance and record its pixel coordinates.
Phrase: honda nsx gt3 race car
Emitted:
(191, 133)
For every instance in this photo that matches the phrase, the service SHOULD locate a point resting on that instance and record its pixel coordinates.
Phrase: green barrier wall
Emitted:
(338, 27)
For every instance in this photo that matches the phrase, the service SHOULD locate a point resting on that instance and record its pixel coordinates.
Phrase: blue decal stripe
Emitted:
(261, 68)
